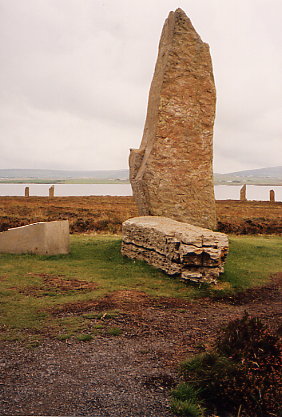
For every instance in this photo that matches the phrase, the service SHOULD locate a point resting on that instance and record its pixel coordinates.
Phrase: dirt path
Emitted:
(126, 375)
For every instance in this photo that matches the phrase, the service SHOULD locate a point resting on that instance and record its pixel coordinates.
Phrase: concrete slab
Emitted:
(43, 238)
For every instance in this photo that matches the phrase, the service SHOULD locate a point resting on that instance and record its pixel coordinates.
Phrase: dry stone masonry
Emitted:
(190, 252)
(171, 173)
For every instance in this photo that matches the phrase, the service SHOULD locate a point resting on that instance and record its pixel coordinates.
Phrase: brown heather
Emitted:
(106, 213)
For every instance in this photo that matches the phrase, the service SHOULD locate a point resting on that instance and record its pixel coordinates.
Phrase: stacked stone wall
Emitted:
(190, 252)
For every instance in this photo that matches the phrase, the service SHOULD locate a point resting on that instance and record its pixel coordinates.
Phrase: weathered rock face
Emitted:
(171, 173)
(52, 191)
(190, 252)
(243, 193)
(272, 195)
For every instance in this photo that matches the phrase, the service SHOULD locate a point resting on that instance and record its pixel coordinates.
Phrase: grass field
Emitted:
(32, 287)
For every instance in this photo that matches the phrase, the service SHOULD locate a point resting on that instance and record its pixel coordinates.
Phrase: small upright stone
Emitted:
(171, 173)
(26, 192)
(243, 193)
(52, 191)
(272, 195)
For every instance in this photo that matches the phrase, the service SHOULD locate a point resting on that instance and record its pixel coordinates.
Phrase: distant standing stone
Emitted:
(171, 173)
(272, 195)
(243, 193)
(26, 192)
(52, 191)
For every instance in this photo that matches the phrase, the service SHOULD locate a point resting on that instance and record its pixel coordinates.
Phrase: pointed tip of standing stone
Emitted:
(180, 12)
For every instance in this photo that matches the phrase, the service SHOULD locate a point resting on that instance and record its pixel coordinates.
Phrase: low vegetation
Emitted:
(85, 214)
(33, 287)
(239, 377)
(105, 214)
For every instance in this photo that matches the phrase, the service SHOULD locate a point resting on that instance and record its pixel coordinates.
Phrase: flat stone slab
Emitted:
(43, 238)
(190, 252)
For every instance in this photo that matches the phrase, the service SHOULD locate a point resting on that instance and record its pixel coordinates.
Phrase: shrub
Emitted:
(247, 338)
(257, 355)
(241, 375)
(208, 373)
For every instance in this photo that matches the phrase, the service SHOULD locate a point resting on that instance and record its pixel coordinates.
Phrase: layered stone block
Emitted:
(171, 173)
(181, 249)
(43, 238)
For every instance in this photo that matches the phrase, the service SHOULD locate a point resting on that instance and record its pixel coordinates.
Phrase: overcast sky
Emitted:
(75, 76)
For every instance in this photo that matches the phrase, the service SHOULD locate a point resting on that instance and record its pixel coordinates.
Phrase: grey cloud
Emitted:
(75, 77)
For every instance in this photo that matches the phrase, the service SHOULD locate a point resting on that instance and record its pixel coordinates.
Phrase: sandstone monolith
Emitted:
(243, 193)
(272, 195)
(190, 252)
(51, 191)
(171, 173)
(26, 192)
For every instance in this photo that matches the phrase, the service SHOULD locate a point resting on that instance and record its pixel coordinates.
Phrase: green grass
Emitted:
(114, 331)
(84, 337)
(251, 260)
(98, 259)
(186, 402)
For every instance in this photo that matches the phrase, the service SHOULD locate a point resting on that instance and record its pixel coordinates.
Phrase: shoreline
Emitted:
(274, 183)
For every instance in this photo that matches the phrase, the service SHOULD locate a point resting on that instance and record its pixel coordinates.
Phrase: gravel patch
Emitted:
(126, 375)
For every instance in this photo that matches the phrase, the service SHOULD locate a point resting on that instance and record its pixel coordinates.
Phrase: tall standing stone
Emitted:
(26, 192)
(243, 193)
(171, 173)
(52, 191)
(272, 195)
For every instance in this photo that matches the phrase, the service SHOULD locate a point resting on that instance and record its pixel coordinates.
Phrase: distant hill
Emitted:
(262, 176)
(272, 172)
(36, 174)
